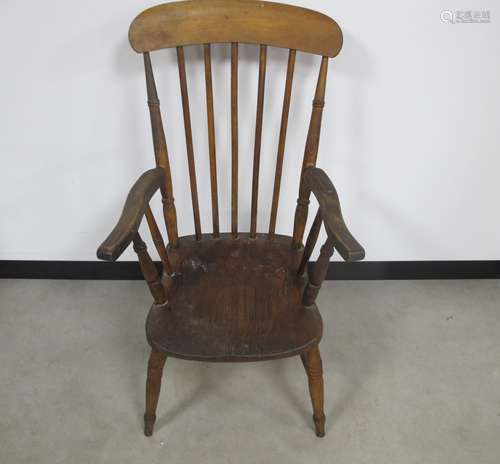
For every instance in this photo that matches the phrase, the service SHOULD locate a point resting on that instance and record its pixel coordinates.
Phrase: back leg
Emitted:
(314, 368)
(153, 386)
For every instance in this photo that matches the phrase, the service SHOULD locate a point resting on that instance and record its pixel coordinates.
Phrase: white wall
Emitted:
(410, 140)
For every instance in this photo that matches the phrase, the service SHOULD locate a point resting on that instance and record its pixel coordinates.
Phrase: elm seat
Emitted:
(256, 313)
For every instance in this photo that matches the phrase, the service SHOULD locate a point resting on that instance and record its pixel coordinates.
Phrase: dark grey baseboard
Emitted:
(366, 270)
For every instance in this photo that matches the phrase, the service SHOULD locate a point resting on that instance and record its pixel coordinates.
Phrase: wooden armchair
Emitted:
(234, 296)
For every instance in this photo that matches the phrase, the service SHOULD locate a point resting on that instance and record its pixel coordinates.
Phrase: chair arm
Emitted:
(131, 217)
(316, 181)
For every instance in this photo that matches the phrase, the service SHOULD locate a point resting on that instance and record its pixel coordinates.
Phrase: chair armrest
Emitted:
(316, 181)
(132, 214)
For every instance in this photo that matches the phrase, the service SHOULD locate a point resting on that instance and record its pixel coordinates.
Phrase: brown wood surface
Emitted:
(158, 240)
(211, 139)
(314, 368)
(161, 153)
(234, 300)
(234, 296)
(227, 21)
(258, 139)
(189, 140)
(311, 242)
(315, 180)
(311, 153)
(234, 139)
(149, 271)
(318, 273)
(135, 207)
(156, 364)
(282, 140)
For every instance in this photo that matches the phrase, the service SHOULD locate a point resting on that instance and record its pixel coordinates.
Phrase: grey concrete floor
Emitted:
(412, 375)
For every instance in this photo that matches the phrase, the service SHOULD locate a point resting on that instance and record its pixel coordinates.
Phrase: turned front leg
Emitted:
(153, 387)
(314, 368)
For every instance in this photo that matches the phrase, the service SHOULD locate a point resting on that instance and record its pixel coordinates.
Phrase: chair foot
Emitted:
(314, 369)
(149, 422)
(153, 386)
(319, 425)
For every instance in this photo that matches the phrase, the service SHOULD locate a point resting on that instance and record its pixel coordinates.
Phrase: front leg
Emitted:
(153, 386)
(314, 368)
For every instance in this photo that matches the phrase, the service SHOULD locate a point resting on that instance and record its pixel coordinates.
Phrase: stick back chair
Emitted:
(237, 296)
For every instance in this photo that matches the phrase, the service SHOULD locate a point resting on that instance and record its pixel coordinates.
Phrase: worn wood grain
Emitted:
(236, 300)
(230, 21)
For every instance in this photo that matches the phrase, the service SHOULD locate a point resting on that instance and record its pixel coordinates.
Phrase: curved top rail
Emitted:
(194, 22)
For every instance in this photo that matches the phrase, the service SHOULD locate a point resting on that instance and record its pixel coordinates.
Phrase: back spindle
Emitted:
(189, 140)
(310, 154)
(211, 139)
(234, 140)
(282, 140)
(161, 153)
(258, 139)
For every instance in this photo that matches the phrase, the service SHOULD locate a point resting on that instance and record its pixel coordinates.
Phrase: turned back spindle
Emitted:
(266, 24)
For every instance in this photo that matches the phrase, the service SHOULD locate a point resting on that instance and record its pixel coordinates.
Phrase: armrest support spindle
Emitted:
(318, 273)
(149, 271)
(312, 238)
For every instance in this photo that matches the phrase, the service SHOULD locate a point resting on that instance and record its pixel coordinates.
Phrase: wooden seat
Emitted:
(240, 295)
(256, 312)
